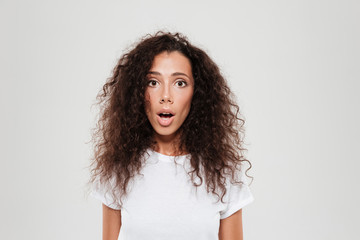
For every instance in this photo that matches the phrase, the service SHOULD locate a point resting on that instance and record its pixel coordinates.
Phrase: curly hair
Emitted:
(212, 132)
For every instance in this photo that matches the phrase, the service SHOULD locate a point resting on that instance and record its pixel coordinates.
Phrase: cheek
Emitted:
(147, 101)
(188, 98)
(186, 102)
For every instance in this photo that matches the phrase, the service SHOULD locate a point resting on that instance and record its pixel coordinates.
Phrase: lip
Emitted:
(165, 110)
(164, 122)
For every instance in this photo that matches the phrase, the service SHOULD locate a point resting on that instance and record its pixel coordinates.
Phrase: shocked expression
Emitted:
(169, 92)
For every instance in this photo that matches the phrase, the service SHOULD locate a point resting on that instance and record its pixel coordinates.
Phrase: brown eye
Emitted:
(181, 83)
(152, 83)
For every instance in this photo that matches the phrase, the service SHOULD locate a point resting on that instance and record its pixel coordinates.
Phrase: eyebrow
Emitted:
(174, 74)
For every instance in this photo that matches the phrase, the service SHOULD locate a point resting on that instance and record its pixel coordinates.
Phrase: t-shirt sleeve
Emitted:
(238, 196)
(103, 192)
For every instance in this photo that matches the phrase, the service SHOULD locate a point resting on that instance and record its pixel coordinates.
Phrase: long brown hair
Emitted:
(212, 132)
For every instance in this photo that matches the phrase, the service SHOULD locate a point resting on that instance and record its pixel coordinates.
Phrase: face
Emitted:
(169, 92)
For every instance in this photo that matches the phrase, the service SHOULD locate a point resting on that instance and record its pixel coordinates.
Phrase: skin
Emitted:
(231, 227)
(111, 223)
(170, 78)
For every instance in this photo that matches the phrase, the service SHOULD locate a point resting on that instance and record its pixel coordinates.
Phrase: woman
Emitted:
(169, 158)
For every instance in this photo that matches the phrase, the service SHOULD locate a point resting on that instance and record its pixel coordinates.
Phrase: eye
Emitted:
(152, 83)
(181, 83)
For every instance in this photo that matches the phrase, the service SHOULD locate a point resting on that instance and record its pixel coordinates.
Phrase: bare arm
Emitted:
(111, 223)
(231, 227)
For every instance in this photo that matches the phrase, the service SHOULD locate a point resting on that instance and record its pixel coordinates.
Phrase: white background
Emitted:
(294, 66)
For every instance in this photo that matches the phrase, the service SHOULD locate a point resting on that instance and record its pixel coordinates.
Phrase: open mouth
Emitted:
(165, 119)
(165, 115)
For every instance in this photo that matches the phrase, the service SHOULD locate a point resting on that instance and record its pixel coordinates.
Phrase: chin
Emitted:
(165, 132)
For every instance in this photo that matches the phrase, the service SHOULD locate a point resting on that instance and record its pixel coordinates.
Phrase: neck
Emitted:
(168, 145)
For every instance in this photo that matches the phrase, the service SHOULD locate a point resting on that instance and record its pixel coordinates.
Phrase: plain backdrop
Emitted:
(293, 65)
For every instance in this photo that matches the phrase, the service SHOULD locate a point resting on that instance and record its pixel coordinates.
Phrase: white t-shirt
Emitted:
(163, 203)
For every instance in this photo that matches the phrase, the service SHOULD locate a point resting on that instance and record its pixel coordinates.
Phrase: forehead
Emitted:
(171, 62)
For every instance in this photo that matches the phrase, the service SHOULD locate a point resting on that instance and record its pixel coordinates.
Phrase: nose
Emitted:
(166, 94)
